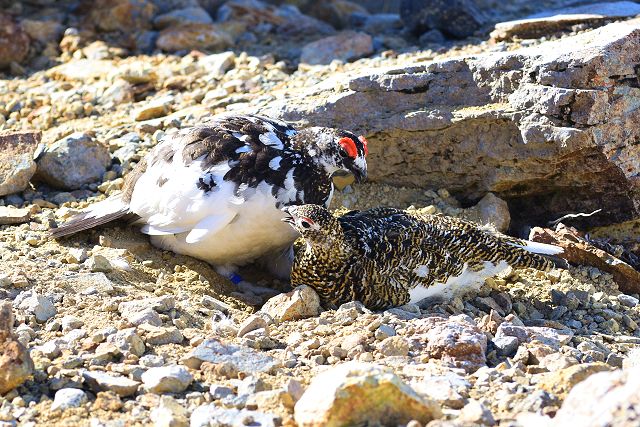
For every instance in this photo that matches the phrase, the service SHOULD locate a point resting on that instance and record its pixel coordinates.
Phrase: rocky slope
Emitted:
(103, 329)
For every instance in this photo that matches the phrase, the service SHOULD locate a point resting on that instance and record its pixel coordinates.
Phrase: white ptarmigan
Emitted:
(215, 191)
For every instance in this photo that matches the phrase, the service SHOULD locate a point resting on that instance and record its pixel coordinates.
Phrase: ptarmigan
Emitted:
(215, 191)
(386, 257)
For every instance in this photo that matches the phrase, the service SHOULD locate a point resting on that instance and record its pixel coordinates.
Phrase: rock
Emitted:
(554, 21)
(554, 338)
(99, 264)
(606, 398)
(444, 389)
(526, 158)
(300, 303)
(336, 12)
(218, 64)
(241, 358)
(14, 42)
(169, 413)
(10, 216)
(476, 413)
(193, 36)
(16, 365)
(394, 346)
(89, 158)
(285, 20)
(457, 18)
(561, 382)
(127, 341)
(453, 340)
(43, 31)
(160, 336)
(68, 398)
(252, 323)
(506, 345)
(189, 15)
(100, 381)
(167, 379)
(148, 316)
(490, 210)
(150, 110)
(345, 46)
(628, 300)
(70, 323)
(32, 302)
(122, 15)
(579, 251)
(207, 415)
(161, 304)
(16, 157)
(361, 393)
(81, 70)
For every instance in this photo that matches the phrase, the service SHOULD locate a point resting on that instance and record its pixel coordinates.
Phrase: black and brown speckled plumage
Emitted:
(386, 257)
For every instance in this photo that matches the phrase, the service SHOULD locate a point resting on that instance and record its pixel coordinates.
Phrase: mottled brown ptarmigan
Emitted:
(386, 257)
(215, 191)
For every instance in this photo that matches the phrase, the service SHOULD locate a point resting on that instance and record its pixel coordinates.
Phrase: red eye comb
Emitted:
(365, 144)
(349, 146)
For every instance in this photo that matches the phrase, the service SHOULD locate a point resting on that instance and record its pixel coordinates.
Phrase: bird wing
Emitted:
(197, 179)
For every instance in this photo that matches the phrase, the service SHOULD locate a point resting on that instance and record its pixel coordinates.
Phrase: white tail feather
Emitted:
(539, 248)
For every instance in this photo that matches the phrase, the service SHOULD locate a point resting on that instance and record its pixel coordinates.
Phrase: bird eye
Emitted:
(348, 147)
(305, 224)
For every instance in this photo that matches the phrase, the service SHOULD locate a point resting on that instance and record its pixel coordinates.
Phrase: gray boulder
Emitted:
(551, 129)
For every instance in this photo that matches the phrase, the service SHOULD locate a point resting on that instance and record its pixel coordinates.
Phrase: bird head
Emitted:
(313, 222)
(337, 151)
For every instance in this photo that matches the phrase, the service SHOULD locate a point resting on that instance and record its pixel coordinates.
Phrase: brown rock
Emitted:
(490, 210)
(16, 365)
(359, 393)
(16, 160)
(453, 340)
(345, 46)
(193, 36)
(121, 15)
(9, 215)
(300, 303)
(561, 382)
(578, 251)
(14, 42)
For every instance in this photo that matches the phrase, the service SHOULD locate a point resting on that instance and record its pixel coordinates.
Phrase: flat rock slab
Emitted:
(16, 160)
(9, 215)
(550, 22)
(551, 129)
(243, 359)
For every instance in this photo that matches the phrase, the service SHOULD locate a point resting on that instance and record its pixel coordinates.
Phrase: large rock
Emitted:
(358, 394)
(73, 161)
(16, 365)
(456, 18)
(193, 36)
(16, 160)
(604, 399)
(14, 42)
(551, 129)
(346, 46)
(554, 21)
(121, 15)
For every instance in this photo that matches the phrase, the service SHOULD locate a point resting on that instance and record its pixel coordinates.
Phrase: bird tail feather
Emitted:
(98, 214)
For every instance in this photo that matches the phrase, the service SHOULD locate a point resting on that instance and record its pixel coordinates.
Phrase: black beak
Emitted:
(360, 175)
